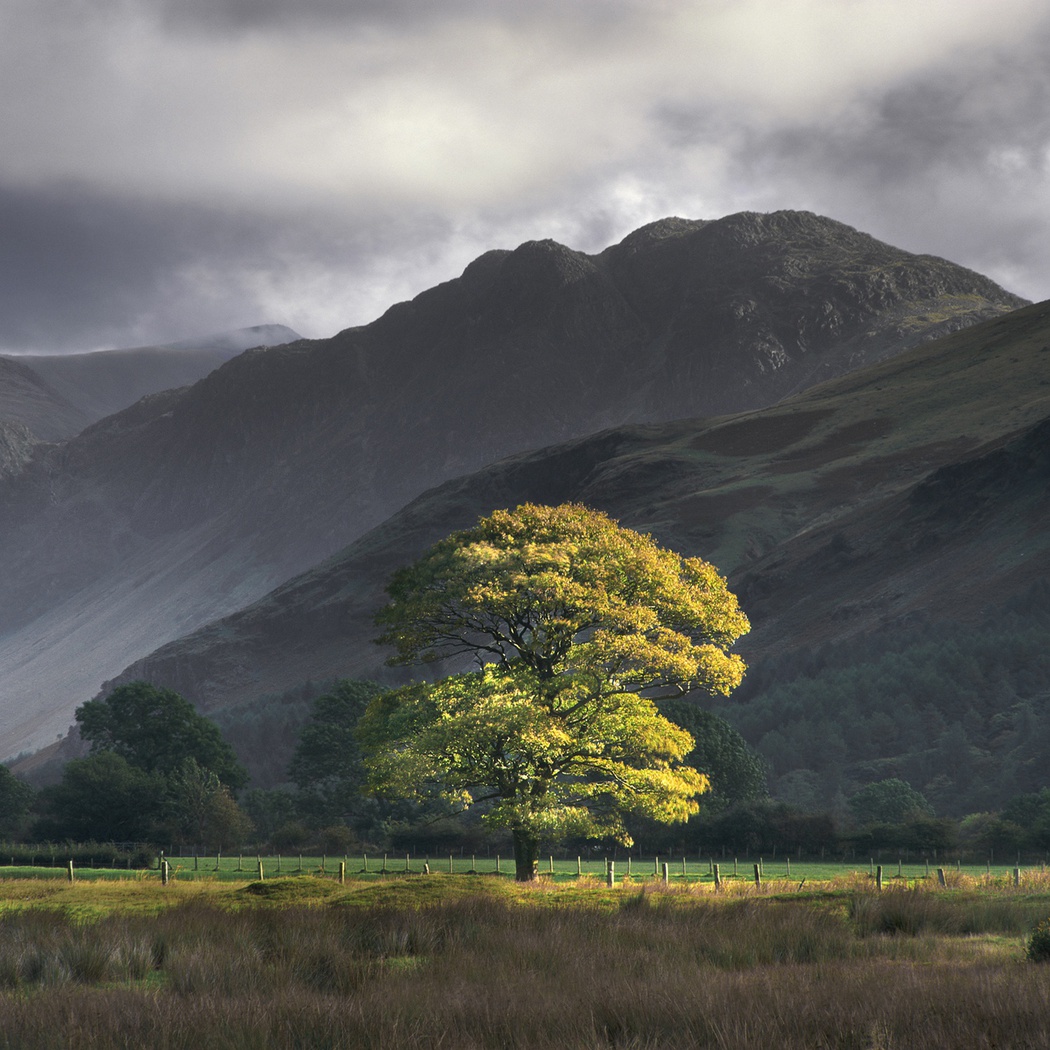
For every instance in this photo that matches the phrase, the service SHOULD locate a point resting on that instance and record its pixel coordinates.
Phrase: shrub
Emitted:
(1039, 943)
(337, 838)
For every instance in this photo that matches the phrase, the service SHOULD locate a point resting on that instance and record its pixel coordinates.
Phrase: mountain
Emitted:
(28, 401)
(193, 503)
(57, 395)
(901, 507)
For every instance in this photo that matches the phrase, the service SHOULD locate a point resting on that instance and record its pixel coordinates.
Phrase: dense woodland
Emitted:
(959, 711)
(321, 801)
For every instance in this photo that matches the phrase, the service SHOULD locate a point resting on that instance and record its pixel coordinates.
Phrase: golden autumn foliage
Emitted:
(573, 622)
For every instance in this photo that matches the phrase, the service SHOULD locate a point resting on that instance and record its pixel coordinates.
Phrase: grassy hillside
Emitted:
(910, 494)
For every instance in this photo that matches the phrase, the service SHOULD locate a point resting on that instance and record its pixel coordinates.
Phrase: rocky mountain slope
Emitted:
(28, 401)
(193, 503)
(55, 396)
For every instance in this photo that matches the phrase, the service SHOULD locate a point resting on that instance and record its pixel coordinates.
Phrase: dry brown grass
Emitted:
(506, 967)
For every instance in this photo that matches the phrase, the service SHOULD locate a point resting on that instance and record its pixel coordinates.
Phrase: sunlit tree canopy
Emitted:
(574, 624)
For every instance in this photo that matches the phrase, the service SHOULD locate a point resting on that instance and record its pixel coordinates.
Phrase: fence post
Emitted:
(450, 864)
(628, 865)
(579, 867)
(342, 872)
(407, 867)
(1017, 876)
(758, 875)
(163, 873)
(550, 866)
(69, 871)
(788, 859)
(667, 875)
(656, 867)
(718, 877)
(498, 872)
(610, 875)
(259, 859)
(878, 877)
(941, 879)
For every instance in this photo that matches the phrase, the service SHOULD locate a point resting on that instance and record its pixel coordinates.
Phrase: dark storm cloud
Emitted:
(77, 266)
(81, 270)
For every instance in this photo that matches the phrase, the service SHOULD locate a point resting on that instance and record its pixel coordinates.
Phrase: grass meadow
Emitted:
(444, 961)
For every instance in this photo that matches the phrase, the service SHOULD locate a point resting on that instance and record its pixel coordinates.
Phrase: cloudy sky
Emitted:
(174, 167)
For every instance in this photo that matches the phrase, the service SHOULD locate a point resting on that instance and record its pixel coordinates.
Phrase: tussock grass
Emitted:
(915, 911)
(428, 964)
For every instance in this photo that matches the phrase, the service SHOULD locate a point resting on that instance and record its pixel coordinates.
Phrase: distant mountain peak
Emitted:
(241, 338)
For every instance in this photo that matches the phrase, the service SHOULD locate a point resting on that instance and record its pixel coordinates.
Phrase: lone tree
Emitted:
(576, 625)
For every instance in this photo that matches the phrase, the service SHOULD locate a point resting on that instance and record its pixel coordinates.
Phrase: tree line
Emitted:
(579, 717)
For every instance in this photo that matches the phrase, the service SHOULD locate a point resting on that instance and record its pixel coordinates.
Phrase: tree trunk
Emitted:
(526, 855)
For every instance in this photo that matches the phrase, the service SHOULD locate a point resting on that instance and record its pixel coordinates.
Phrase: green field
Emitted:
(637, 870)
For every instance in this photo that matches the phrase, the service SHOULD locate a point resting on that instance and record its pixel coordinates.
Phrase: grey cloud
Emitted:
(288, 181)
(75, 266)
(81, 270)
(239, 15)
(954, 160)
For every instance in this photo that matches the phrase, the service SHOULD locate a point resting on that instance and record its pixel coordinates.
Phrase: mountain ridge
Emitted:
(72, 391)
(196, 502)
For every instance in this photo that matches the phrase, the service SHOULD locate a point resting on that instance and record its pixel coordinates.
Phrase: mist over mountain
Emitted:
(193, 503)
(56, 395)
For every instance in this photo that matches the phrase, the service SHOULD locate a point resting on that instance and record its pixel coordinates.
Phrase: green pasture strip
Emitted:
(86, 901)
(62, 874)
(365, 866)
(371, 864)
